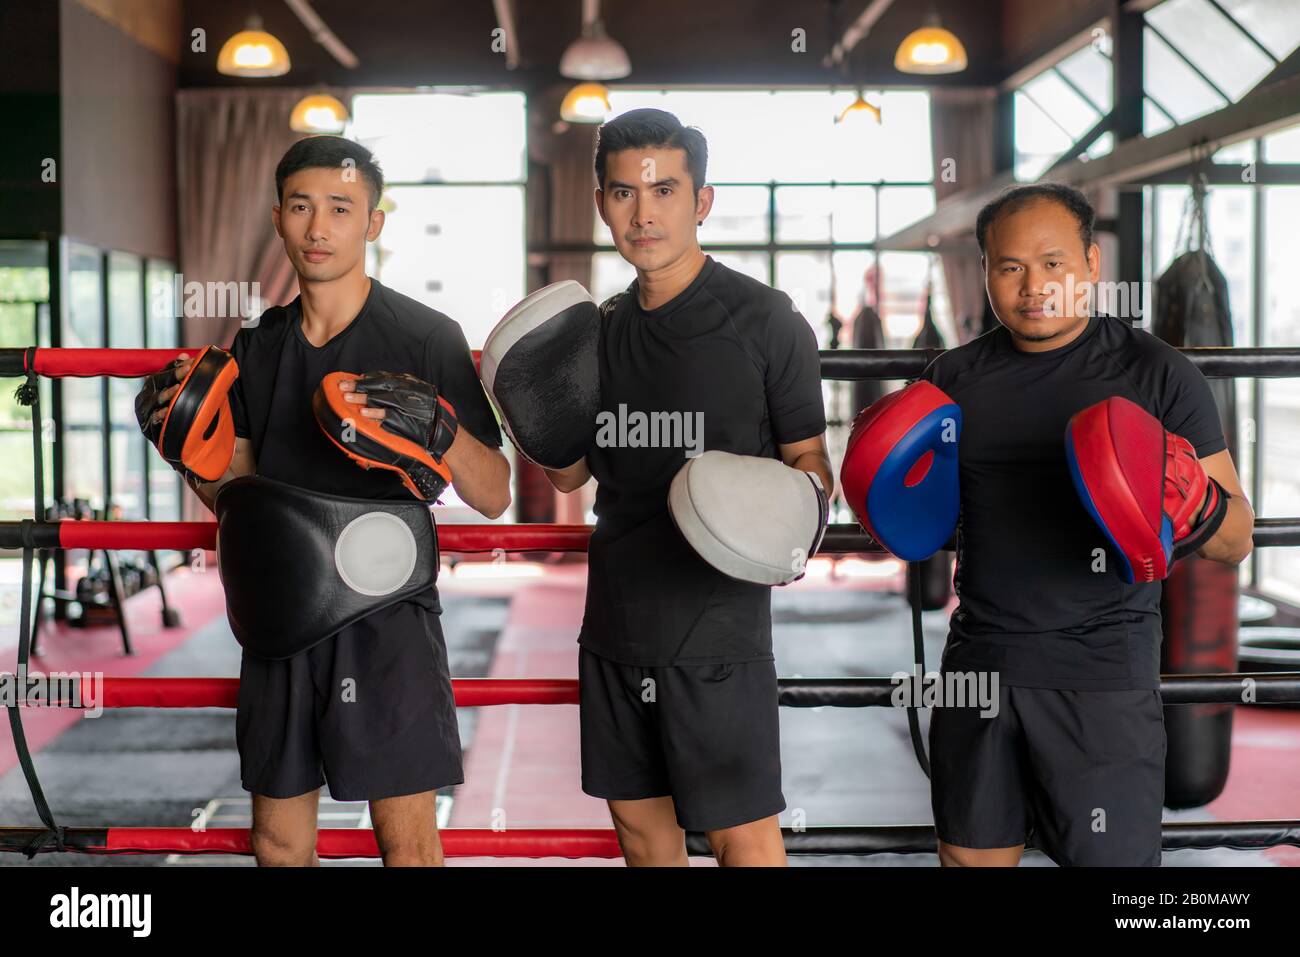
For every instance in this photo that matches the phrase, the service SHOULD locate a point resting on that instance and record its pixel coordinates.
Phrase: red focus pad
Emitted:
(900, 473)
(1186, 486)
(1143, 486)
(371, 445)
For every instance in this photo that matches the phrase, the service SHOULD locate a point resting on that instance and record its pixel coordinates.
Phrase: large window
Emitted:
(24, 321)
(126, 321)
(122, 301)
(1265, 311)
(1201, 55)
(455, 168)
(1198, 56)
(1279, 425)
(83, 399)
(801, 200)
(1055, 109)
(160, 332)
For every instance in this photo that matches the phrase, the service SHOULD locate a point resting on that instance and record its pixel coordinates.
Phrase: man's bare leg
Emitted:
(648, 832)
(406, 829)
(284, 830)
(950, 855)
(756, 844)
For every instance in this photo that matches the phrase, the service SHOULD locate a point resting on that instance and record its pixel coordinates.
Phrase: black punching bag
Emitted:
(1199, 601)
(868, 333)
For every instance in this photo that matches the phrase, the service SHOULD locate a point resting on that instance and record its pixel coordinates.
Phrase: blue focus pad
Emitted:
(900, 470)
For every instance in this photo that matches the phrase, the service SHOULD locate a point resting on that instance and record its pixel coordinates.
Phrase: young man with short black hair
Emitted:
(369, 710)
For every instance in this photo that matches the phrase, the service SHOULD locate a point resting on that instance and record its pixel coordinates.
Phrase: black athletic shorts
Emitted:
(706, 735)
(1082, 771)
(368, 711)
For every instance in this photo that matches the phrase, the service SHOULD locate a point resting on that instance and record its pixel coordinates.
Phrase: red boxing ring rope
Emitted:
(224, 692)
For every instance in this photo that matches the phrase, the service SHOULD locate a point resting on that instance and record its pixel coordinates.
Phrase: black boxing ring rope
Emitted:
(29, 535)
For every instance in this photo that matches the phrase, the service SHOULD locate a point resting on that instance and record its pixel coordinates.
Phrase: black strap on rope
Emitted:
(29, 394)
(918, 653)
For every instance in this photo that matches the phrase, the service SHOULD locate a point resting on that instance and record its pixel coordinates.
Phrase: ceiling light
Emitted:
(586, 103)
(318, 113)
(931, 49)
(859, 107)
(595, 56)
(253, 52)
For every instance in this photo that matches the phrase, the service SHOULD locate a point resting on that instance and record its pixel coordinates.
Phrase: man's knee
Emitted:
(757, 844)
(406, 830)
(653, 846)
(649, 838)
(283, 848)
(412, 850)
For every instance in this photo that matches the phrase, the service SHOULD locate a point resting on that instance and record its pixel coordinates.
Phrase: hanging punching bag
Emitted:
(1199, 601)
(868, 333)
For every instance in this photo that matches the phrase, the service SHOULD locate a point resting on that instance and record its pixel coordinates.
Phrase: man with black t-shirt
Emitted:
(678, 685)
(369, 710)
(1076, 747)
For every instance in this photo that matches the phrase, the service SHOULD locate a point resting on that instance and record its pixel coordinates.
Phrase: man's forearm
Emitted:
(207, 491)
(571, 478)
(1232, 543)
(819, 465)
(480, 475)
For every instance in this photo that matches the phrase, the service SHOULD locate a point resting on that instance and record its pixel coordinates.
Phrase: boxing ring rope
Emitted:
(1271, 688)
(1268, 687)
(336, 843)
(461, 539)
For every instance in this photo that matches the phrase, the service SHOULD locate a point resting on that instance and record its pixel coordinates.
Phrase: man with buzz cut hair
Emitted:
(679, 710)
(1054, 595)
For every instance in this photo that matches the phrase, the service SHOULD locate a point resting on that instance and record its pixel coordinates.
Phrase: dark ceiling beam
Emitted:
(1287, 68)
(505, 13)
(856, 32)
(1128, 79)
(1053, 50)
(322, 34)
(1227, 174)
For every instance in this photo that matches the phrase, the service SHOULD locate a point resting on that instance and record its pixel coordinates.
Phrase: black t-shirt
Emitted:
(1031, 606)
(279, 370)
(729, 355)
